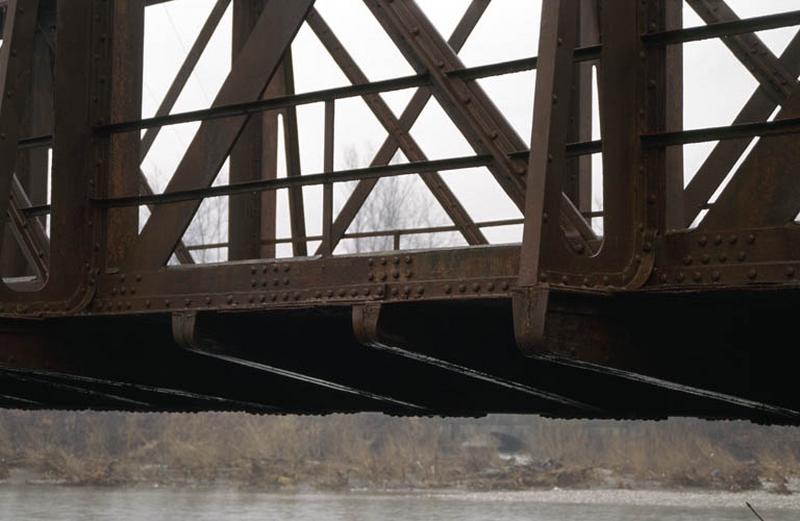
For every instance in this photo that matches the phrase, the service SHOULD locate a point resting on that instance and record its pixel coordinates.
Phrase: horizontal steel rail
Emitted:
(722, 29)
(372, 234)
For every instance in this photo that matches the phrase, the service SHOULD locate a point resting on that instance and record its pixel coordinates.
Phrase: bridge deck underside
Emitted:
(430, 359)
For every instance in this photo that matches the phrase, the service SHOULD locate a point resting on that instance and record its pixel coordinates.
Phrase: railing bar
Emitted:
(722, 29)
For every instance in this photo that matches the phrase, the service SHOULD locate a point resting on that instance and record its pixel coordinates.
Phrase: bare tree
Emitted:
(396, 203)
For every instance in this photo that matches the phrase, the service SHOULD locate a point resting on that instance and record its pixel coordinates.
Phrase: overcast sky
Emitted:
(716, 86)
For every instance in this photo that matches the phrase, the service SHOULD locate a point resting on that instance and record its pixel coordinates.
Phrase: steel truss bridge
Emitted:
(683, 306)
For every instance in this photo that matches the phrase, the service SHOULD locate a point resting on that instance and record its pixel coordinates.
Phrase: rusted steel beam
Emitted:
(244, 210)
(405, 141)
(127, 76)
(257, 63)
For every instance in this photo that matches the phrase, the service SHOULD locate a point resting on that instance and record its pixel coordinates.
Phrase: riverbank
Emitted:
(376, 452)
(494, 474)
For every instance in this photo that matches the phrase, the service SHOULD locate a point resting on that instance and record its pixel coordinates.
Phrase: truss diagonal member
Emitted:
(297, 213)
(16, 62)
(171, 97)
(776, 79)
(407, 119)
(726, 153)
(471, 110)
(407, 144)
(28, 232)
(247, 80)
(765, 190)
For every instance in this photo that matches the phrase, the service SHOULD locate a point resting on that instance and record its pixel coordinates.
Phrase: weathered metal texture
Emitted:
(567, 323)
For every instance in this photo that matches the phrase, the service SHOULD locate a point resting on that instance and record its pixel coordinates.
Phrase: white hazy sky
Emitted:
(716, 86)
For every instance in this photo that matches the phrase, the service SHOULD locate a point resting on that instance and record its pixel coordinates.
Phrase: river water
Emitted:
(28, 502)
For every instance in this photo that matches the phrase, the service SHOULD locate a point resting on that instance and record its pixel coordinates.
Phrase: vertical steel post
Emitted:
(245, 211)
(127, 62)
(327, 190)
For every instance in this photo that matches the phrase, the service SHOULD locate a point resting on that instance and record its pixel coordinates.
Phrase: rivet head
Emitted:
(476, 287)
(371, 276)
(752, 274)
(407, 259)
(687, 260)
(741, 256)
(681, 277)
(733, 239)
(790, 271)
(706, 258)
(564, 279)
(697, 276)
(715, 276)
(606, 280)
(751, 239)
(462, 288)
(663, 277)
(490, 286)
(448, 289)
(647, 247)
(723, 258)
(703, 240)
(718, 240)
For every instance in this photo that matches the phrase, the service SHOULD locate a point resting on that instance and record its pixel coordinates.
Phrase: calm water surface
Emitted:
(84, 504)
